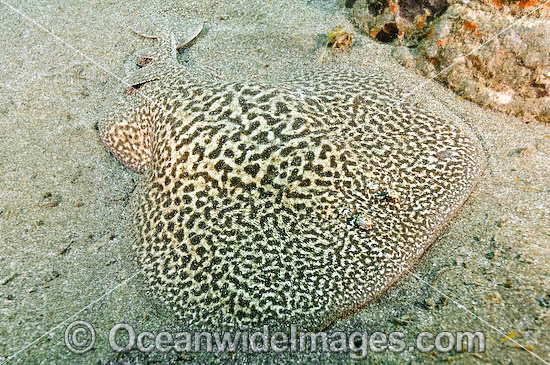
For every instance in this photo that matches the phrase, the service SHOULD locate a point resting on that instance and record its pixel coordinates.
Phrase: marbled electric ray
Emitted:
(297, 202)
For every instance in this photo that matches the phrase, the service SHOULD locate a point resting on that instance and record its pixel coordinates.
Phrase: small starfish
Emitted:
(295, 202)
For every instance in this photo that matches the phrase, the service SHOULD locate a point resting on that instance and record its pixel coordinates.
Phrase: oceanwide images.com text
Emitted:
(80, 337)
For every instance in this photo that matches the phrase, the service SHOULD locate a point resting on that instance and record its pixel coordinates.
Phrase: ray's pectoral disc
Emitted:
(297, 202)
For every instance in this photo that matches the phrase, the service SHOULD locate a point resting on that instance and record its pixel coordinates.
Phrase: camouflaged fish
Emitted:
(296, 202)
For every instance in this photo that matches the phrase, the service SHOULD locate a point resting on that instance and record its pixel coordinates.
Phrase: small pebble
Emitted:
(63, 250)
(494, 298)
(403, 320)
(49, 200)
(429, 303)
(356, 356)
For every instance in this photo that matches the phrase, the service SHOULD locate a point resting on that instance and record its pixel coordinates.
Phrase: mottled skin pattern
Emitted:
(297, 202)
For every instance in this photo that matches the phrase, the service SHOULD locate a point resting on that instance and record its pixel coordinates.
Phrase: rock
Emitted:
(403, 21)
(496, 53)
(404, 56)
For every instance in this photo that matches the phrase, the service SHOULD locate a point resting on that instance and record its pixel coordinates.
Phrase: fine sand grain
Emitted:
(65, 240)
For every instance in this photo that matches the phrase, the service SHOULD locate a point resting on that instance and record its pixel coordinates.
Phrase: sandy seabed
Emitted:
(65, 241)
